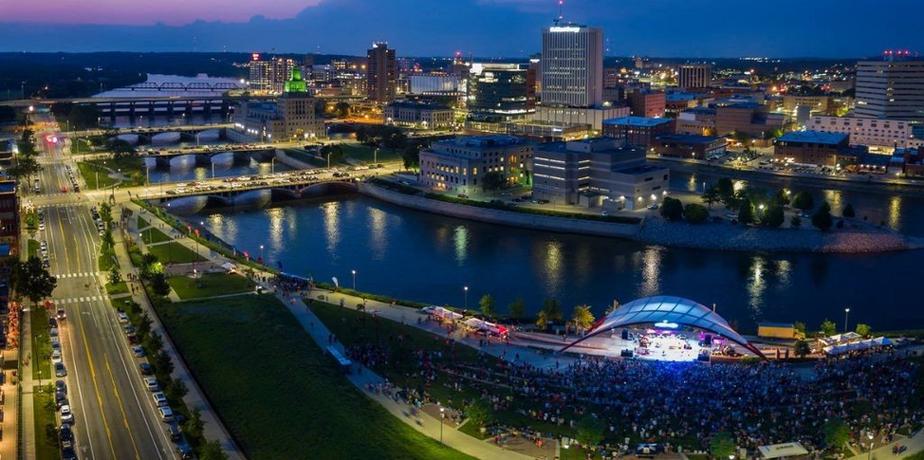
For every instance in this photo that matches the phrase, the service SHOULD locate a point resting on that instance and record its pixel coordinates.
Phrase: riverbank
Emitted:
(657, 231)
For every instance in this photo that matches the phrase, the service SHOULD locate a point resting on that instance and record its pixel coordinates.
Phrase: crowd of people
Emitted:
(684, 403)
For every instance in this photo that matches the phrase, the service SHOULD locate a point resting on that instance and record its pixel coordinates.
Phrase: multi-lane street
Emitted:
(115, 416)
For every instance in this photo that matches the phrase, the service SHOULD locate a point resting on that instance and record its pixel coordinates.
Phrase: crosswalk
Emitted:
(76, 300)
(76, 275)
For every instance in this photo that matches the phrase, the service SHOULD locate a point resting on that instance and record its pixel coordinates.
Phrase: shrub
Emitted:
(672, 209)
(695, 213)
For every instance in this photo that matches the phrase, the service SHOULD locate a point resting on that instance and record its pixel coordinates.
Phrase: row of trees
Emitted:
(769, 208)
(26, 164)
(581, 316)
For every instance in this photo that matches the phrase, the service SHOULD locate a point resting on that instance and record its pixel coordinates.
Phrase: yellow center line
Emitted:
(99, 396)
(115, 389)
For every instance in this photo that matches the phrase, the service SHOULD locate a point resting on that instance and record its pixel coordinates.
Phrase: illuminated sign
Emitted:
(665, 325)
(565, 29)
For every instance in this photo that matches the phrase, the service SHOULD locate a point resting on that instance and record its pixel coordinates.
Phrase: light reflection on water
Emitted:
(427, 258)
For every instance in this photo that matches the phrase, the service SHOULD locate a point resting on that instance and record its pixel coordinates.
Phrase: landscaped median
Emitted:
(278, 393)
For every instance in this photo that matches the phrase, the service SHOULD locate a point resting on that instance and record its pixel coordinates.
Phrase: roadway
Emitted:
(115, 416)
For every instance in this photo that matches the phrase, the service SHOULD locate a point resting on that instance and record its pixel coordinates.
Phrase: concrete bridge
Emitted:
(187, 160)
(250, 196)
(152, 130)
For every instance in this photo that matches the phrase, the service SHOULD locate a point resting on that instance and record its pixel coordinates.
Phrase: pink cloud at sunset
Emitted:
(173, 12)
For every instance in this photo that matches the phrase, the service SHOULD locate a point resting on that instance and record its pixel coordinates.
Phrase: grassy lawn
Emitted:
(290, 402)
(131, 167)
(41, 343)
(575, 453)
(142, 223)
(174, 253)
(209, 285)
(366, 154)
(34, 248)
(118, 288)
(46, 437)
(153, 235)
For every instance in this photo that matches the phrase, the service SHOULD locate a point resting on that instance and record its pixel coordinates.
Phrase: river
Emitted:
(430, 258)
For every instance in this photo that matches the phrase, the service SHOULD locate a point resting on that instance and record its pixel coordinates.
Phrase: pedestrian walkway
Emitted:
(213, 428)
(362, 378)
(9, 442)
(28, 389)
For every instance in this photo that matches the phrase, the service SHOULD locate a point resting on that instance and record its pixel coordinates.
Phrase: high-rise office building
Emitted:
(694, 76)
(259, 73)
(269, 75)
(500, 89)
(572, 65)
(892, 88)
(280, 70)
(381, 73)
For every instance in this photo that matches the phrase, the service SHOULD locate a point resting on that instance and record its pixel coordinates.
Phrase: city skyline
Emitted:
(476, 27)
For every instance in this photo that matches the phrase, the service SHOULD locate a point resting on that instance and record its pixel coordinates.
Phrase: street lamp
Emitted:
(465, 289)
(261, 253)
(846, 312)
(354, 279)
(870, 435)
(442, 421)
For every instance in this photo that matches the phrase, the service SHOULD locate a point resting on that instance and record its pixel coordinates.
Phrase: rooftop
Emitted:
(688, 138)
(814, 137)
(642, 122)
(496, 140)
(417, 105)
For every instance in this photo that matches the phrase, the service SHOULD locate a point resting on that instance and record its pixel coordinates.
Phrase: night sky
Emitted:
(485, 28)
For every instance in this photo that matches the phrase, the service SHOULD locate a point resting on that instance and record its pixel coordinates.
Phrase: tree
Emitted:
(342, 109)
(711, 196)
(32, 280)
(795, 222)
(582, 317)
(746, 212)
(589, 431)
(159, 284)
(802, 348)
(121, 148)
(552, 310)
(671, 209)
(774, 217)
(175, 389)
(836, 433)
(517, 308)
(115, 276)
(211, 450)
(822, 217)
(478, 413)
(493, 180)
(411, 156)
(803, 201)
(695, 213)
(799, 326)
(487, 306)
(194, 423)
(332, 152)
(828, 328)
(848, 211)
(781, 197)
(542, 320)
(726, 190)
(721, 445)
(864, 329)
(144, 325)
(163, 364)
(26, 166)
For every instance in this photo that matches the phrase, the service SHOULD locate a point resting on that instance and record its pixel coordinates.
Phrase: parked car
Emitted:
(173, 431)
(151, 383)
(138, 350)
(61, 386)
(60, 371)
(68, 453)
(65, 436)
(66, 415)
(159, 398)
(166, 413)
(146, 369)
(55, 356)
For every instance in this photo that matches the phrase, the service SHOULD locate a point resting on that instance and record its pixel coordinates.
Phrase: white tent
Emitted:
(835, 350)
(441, 312)
(789, 449)
(485, 326)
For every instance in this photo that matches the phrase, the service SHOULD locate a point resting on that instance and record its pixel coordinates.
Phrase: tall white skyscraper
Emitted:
(892, 88)
(572, 65)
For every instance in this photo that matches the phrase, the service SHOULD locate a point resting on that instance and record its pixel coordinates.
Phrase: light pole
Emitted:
(465, 290)
(846, 312)
(870, 435)
(273, 165)
(261, 253)
(354, 279)
(442, 421)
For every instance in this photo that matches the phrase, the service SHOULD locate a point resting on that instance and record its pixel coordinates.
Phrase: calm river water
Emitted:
(429, 258)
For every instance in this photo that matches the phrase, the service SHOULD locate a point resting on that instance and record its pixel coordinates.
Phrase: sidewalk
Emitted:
(27, 424)
(9, 439)
(213, 429)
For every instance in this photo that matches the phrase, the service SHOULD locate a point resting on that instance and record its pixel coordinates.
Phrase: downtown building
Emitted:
(694, 76)
(891, 88)
(460, 164)
(571, 69)
(269, 76)
(597, 173)
(381, 73)
(873, 132)
(290, 117)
